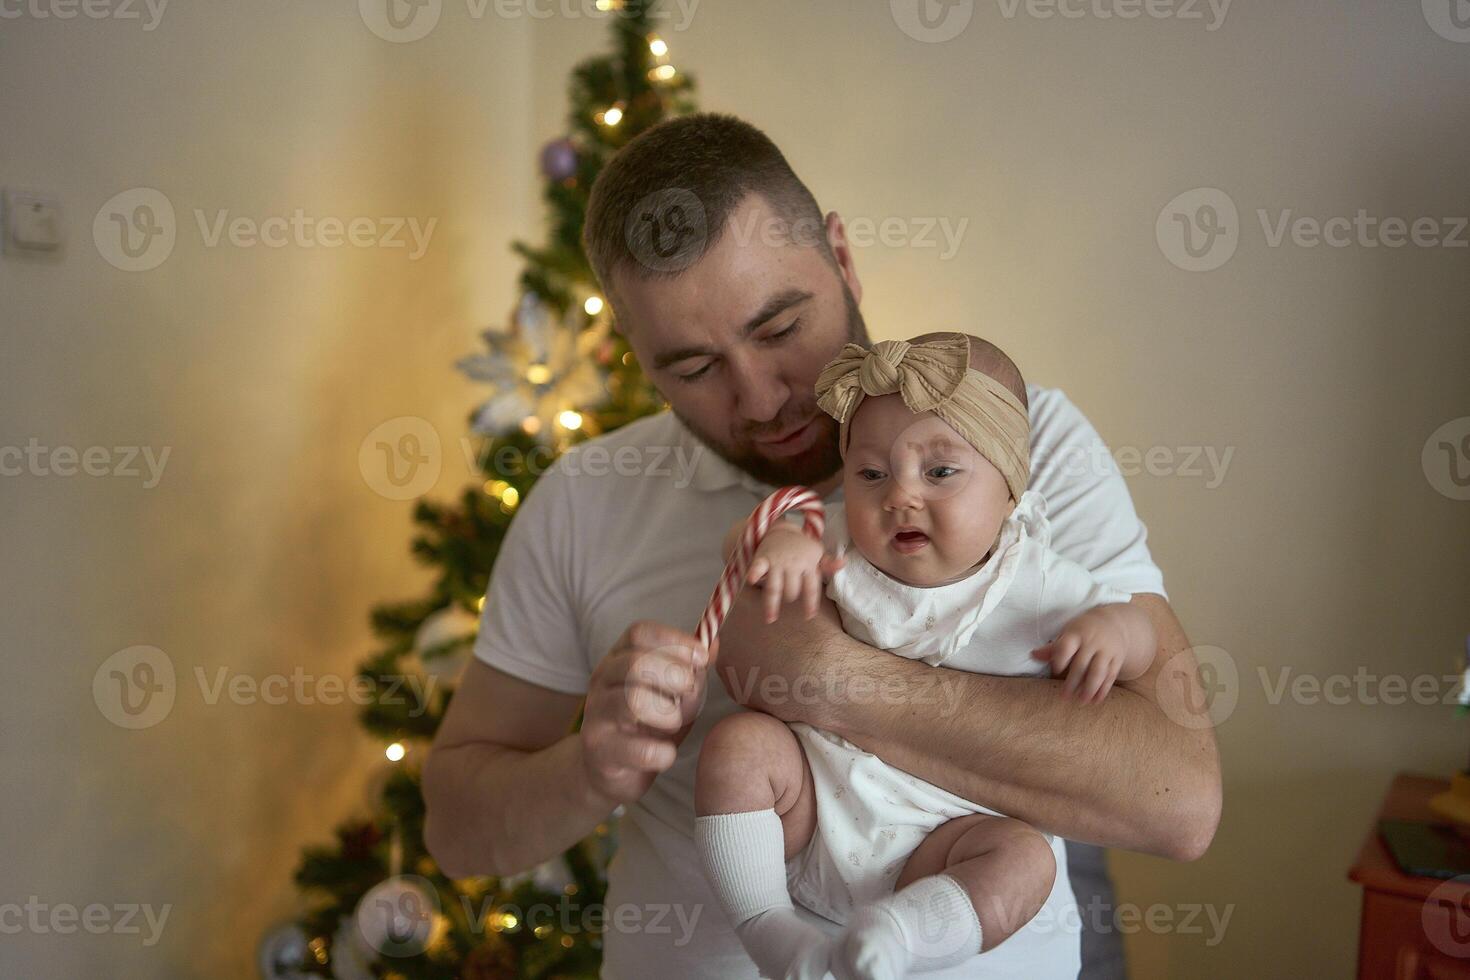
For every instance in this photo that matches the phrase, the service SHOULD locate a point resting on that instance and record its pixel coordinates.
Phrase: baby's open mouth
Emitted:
(910, 540)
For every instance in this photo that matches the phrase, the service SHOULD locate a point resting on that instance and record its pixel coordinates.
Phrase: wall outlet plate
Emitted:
(32, 222)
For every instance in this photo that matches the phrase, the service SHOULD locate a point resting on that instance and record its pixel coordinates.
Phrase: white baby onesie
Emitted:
(870, 815)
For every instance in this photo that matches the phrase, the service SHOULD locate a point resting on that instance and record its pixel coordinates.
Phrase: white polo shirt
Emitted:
(628, 526)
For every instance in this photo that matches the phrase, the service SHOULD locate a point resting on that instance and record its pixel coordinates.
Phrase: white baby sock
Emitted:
(927, 926)
(744, 860)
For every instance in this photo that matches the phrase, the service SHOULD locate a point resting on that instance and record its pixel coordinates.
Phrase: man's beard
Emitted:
(820, 461)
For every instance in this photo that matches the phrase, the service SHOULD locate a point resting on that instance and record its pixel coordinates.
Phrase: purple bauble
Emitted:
(559, 159)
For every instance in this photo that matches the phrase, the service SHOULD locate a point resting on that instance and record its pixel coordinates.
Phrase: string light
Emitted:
(396, 752)
(657, 45)
(662, 73)
(569, 419)
(531, 425)
(509, 499)
(593, 306)
(612, 115)
(538, 374)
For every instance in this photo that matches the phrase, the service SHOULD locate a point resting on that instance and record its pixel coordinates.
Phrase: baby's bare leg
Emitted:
(967, 888)
(750, 761)
(1005, 866)
(756, 809)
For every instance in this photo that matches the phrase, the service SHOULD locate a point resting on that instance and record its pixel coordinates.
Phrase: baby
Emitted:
(951, 567)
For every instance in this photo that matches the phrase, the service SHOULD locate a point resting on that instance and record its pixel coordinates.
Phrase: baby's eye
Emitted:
(940, 472)
(870, 474)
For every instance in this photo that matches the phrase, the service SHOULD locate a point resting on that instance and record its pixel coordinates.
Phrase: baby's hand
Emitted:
(1099, 646)
(789, 565)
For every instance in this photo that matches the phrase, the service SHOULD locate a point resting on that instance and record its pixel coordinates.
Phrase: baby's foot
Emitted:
(784, 946)
(872, 948)
(929, 925)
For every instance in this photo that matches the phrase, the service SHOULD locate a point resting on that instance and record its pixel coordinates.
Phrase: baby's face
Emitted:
(922, 504)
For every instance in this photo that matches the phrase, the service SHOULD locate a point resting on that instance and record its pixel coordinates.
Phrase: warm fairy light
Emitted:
(569, 419)
(396, 752)
(480, 604)
(566, 942)
(510, 498)
(612, 116)
(542, 931)
(495, 488)
(658, 46)
(606, 5)
(662, 73)
(627, 358)
(530, 425)
(593, 306)
(538, 374)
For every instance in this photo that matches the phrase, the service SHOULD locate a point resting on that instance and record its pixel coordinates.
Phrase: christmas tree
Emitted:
(378, 904)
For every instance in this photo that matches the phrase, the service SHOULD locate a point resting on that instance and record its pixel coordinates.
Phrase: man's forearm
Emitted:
(1120, 773)
(501, 811)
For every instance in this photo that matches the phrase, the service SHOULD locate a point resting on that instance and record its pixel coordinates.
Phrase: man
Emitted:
(733, 291)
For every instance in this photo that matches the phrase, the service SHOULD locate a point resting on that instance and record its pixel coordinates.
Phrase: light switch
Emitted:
(32, 222)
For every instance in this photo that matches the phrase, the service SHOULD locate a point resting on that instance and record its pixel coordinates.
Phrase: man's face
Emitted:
(736, 341)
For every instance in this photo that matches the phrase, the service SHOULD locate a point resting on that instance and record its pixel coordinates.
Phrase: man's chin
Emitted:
(807, 469)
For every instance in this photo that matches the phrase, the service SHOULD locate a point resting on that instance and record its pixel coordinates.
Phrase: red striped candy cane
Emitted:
(770, 510)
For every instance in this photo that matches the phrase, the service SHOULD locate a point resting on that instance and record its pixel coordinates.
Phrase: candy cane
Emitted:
(770, 510)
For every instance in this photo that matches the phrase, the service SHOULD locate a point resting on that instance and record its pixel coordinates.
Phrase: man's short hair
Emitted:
(665, 199)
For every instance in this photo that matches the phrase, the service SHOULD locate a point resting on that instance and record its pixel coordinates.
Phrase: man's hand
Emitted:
(1106, 643)
(641, 701)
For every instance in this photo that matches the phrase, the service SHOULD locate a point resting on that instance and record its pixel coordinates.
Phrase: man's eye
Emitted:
(694, 375)
(795, 325)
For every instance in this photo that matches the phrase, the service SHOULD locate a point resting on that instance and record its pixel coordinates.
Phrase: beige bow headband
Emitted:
(934, 376)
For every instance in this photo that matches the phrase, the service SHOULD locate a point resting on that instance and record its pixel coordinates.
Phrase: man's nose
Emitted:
(759, 395)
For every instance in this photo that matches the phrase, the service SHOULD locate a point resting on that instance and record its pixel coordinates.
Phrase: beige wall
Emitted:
(262, 548)
(1324, 548)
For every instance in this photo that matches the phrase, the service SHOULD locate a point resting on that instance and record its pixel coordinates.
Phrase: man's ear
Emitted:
(842, 252)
